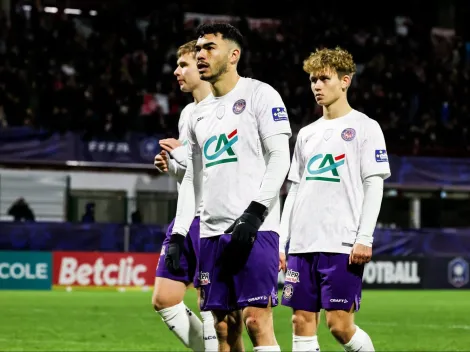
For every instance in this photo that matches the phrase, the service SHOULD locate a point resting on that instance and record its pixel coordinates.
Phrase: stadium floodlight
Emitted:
(50, 9)
(72, 11)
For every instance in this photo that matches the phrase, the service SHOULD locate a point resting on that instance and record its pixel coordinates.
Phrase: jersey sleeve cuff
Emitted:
(179, 154)
(364, 240)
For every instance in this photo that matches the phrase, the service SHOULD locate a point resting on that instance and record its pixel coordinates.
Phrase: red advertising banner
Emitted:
(104, 269)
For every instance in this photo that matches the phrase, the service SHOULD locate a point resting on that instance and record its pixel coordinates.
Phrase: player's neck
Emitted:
(225, 84)
(201, 92)
(339, 108)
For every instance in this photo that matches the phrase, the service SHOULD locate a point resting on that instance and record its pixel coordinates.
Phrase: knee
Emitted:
(160, 302)
(299, 321)
(227, 324)
(253, 325)
(340, 329)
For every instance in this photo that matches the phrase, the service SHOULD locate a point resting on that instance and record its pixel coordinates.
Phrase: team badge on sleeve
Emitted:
(279, 114)
(381, 156)
(348, 134)
(239, 106)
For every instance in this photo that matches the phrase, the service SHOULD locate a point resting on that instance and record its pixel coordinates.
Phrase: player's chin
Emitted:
(321, 101)
(205, 76)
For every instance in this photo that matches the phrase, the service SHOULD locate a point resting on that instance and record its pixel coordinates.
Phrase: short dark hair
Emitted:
(227, 31)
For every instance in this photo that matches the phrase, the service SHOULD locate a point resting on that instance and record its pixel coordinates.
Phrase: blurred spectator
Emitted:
(89, 215)
(21, 211)
(136, 217)
(111, 74)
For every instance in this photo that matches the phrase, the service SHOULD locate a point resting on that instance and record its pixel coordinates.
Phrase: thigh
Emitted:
(255, 283)
(341, 283)
(301, 285)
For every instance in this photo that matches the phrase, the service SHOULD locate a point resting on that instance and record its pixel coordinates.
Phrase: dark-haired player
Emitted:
(238, 159)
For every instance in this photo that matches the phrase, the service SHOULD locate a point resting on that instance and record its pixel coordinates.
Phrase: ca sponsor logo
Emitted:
(324, 167)
(219, 149)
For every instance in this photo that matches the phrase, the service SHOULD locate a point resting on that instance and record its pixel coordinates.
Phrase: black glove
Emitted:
(245, 228)
(173, 253)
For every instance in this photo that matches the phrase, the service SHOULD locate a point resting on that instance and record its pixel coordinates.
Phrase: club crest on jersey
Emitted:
(348, 134)
(292, 276)
(287, 291)
(219, 149)
(381, 156)
(239, 106)
(279, 114)
(326, 169)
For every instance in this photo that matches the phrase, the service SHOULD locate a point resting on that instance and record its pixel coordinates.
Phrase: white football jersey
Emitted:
(331, 159)
(227, 133)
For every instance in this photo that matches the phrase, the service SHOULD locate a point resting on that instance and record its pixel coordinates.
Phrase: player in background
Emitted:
(170, 288)
(337, 174)
(238, 159)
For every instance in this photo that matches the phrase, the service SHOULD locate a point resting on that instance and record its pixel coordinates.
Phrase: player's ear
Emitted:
(345, 82)
(234, 55)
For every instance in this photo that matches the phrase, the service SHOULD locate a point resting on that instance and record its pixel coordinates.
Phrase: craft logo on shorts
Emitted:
(204, 278)
(348, 134)
(381, 156)
(327, 169)
(292, 276)
(458, 272)
(287, 291)
(339, 300)
(223, 151)
(239, 106)
(279, 114)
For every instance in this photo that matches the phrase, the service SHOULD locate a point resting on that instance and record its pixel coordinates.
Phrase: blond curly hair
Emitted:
(324, 60)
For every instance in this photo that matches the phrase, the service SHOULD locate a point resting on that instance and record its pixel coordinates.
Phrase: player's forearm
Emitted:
(277, 148)
(189, 196)
(176, 170)
(286, 217)
(373, 193)
(180, 154)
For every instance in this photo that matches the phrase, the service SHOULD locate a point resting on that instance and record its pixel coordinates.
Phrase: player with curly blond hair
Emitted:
(337, 174)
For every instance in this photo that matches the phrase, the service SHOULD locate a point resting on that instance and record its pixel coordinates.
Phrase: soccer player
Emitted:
(170, 287)
(337, 174)
(238, 159)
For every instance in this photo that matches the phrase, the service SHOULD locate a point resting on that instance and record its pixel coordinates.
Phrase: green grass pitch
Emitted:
(125, 321)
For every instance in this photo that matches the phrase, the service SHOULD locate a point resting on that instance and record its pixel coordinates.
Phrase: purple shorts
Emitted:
(189, 257)
(322, 280)
(233, 278)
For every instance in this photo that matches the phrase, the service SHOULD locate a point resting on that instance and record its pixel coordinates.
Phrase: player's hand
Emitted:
(169, 144)
(282, 262)
(360, 254)
(173, 253)
(245, 228)
(161, 161)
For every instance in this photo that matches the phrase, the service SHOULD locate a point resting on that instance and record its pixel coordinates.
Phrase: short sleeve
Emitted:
(374, 158)
(270, 112)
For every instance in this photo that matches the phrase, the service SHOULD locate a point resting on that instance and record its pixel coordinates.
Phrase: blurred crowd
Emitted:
(109, 74)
